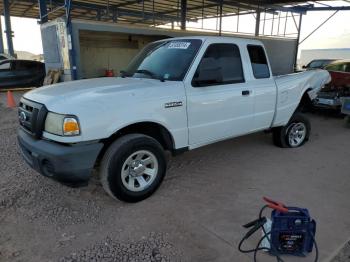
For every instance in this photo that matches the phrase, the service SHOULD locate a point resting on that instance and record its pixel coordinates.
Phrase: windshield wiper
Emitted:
(151, 74)
(124, 74)
(146, 72)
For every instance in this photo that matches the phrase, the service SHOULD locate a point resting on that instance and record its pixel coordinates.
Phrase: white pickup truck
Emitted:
(176, 95)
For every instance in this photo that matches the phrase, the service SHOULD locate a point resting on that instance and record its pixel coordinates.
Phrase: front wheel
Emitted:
(133, 167)
(294, 134)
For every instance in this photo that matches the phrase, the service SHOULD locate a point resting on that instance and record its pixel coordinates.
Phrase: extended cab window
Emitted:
(259, 62)
(221, 64)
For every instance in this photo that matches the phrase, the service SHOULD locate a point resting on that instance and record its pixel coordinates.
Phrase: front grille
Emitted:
(32, 117)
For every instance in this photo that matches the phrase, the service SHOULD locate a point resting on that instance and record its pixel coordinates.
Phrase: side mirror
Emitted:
(303, 67)
(208, 73)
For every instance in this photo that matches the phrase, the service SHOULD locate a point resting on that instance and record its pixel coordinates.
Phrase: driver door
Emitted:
(220, 104)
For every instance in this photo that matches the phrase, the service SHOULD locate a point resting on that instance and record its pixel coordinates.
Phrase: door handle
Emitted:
(245, 93)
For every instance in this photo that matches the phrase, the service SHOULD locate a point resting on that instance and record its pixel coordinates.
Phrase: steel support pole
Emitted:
(238, 11)
(257, 23)
(68, 7)
(183, 14)
(297, 43)
(1, 40)
(43, 11)
(220, 17)
(8, 29)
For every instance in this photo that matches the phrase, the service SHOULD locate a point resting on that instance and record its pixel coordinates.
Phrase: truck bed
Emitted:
(291, 88)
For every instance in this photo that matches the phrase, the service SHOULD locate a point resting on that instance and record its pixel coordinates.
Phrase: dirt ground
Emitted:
(197, 213)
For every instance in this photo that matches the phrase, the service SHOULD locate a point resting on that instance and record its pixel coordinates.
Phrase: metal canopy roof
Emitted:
(175, 13)
(157, 12)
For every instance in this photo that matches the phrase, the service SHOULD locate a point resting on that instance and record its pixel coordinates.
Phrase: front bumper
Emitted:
(71, 164)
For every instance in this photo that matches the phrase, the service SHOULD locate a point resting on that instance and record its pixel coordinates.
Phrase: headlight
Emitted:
(62, 125)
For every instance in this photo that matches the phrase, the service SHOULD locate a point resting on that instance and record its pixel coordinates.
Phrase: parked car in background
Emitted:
(330, 96)
(21, 73)
(318, 63)
(5, 57)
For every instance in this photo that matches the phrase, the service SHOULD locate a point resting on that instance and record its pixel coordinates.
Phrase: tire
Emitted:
(133, 167)
(283, 136)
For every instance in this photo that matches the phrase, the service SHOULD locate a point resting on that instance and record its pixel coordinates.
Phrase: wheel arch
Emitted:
(155, 130)
(305, 102)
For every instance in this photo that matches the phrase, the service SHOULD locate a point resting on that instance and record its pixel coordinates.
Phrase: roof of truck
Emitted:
(218, 38)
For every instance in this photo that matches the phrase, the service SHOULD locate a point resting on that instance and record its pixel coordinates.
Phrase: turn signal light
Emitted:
(71, 127)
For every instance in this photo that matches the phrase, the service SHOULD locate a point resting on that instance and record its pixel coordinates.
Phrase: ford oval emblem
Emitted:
(22, 117)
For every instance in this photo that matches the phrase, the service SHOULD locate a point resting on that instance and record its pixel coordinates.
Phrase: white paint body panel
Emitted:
(105, 105)
(208, 114)
(291, 88)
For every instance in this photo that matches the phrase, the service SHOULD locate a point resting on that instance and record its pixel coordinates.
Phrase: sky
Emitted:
(334, 34)
(27, 35)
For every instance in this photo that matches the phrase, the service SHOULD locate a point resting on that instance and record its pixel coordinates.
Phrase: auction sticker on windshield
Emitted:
(179, 45)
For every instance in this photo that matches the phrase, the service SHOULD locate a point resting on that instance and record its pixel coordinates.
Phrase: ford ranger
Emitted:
(176, 95)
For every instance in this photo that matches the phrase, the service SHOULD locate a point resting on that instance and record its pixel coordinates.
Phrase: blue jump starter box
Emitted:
(292, 232)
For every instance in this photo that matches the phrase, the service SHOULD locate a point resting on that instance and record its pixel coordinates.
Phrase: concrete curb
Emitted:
(16, 89)
(335, 253)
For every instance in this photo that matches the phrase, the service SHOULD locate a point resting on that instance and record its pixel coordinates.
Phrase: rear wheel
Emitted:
(294, 134)
(133, 167)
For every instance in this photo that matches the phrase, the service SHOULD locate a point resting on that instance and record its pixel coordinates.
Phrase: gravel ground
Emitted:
(197, 213)
(35, 208)
(152, 248)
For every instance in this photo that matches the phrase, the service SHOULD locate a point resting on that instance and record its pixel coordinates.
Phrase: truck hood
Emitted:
(58, 96)
(104, 105)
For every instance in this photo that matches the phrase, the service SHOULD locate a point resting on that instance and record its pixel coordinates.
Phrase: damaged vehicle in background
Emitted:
(331, 94)
(318, 64)
(176, 95)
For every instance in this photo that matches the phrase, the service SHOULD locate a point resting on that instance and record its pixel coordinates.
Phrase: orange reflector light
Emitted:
(70, 127)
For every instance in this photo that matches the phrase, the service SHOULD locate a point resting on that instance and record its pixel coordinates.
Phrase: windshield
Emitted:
(165, 60)
(319, 63)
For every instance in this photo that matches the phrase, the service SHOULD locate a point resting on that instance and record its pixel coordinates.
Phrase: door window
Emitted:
(24, 65)
(221, 64)
(259, 62)
(5, 66)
